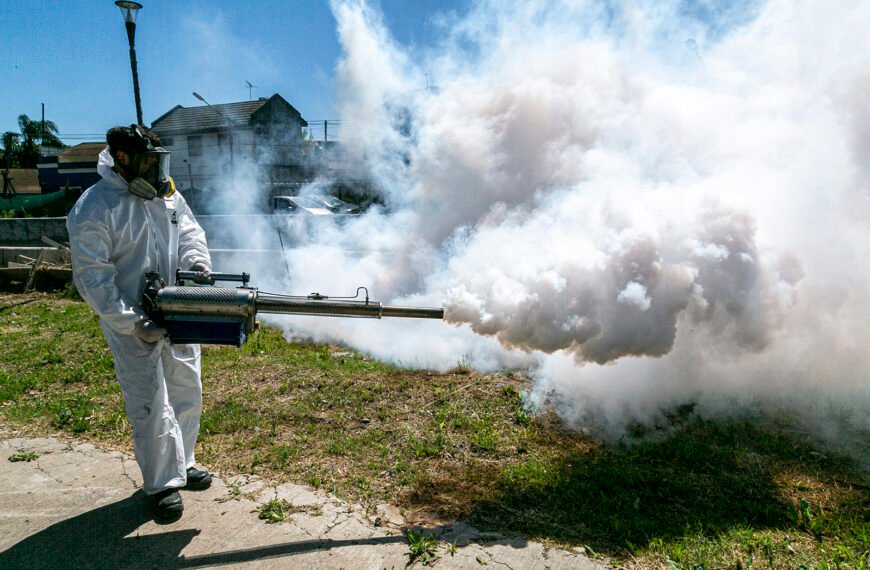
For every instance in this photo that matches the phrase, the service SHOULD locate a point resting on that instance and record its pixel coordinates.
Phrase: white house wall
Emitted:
(214, 163)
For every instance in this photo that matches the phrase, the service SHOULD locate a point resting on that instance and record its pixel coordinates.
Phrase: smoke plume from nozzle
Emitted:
(586, 200)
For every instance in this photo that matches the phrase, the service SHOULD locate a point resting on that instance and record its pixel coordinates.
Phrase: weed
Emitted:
(282, 454)
(463, 366)
(229, 416)
(272, 511)
(426, 447)
(234, 493)
(13, 386)
(813, 523)
(321, 479)
(73, 412)
(484, 439)
(422, 546)
(511, 393)
(522, 417)
(24, 456)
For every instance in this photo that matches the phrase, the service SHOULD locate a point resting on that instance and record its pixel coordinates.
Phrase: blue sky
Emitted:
(72, 56)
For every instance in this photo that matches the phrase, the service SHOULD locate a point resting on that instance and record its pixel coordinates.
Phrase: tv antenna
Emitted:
(693, 47)
(250, 86)
(430, 86)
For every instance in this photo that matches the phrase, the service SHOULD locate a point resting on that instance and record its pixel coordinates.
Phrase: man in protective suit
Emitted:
(128, 224)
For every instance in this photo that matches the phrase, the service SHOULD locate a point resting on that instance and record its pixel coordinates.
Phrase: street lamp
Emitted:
(129, 11)
(230, 123)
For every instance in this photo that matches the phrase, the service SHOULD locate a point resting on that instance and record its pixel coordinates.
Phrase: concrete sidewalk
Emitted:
(75, 506)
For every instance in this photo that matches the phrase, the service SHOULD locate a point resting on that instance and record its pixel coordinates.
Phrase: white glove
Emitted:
(203, 274)
(149, 331)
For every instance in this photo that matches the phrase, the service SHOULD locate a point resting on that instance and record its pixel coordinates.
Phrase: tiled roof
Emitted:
(210, 118)
(25, 180)
(84, 152)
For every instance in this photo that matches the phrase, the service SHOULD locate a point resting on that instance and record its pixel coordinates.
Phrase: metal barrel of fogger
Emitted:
(268, 303)
(220, 301)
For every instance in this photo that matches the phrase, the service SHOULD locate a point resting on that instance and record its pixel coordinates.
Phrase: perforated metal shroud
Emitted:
(207, 301)
(208, 315)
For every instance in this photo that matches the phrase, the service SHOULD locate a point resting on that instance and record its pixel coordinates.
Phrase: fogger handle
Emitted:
(238, 277)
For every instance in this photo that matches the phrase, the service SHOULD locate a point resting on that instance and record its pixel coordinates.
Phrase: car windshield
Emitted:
(307, 202)
(331, 201)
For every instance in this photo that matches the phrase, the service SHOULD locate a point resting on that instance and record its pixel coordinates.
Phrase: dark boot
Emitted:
(197, 480)
(167, 504)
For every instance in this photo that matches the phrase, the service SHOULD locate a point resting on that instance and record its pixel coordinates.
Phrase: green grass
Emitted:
(738, 492)
(56, 371)
(710, 495)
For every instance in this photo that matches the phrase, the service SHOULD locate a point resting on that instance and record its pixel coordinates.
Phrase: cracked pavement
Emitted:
(75, 505)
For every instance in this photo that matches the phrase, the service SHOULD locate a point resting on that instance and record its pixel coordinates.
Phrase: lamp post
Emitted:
(229, 122)
(129, 11)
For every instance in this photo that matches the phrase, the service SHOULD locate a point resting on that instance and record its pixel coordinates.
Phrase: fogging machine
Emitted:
(226, 315)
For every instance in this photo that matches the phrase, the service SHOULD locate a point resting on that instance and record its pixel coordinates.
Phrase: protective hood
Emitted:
(116, 238)
(153, 182)
(105, 165)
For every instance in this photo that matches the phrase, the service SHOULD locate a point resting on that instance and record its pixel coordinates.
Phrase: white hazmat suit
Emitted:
(115, 239)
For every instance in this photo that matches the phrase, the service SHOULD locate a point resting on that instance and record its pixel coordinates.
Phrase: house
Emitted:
(23, 181)
(74, 168)
(212, 142)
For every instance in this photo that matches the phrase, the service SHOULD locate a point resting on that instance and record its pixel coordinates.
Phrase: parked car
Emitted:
(304, 205)
(335, 205)
(316, 204)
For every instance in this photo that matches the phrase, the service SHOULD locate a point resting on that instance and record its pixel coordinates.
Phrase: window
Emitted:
(167, 141)
(194, 146)
(224, 143)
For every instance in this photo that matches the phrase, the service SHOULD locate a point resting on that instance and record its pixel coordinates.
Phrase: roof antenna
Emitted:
(250, 86)
(430, 86)
(693, 47)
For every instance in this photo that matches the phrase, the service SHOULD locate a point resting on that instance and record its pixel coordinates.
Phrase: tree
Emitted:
(11, 150)
(32, 130)
(21, 150)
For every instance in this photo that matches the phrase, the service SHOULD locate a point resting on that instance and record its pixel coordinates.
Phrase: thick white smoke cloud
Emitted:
(639, 218)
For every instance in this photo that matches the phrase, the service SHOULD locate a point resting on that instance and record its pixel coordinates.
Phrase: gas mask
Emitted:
(153, 180)
(151, 171)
